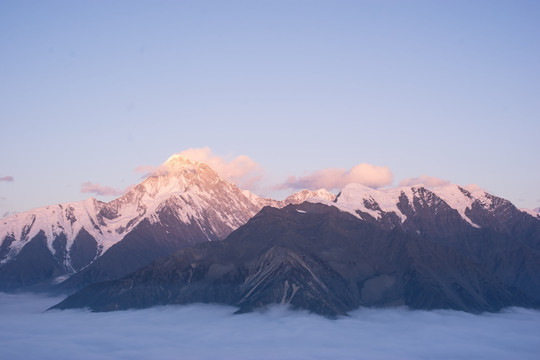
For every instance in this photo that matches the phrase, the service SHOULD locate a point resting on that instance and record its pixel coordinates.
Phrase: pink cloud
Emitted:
(97, 189)
(429, 181)
(145, 169)
(336, 178)
(7, 178)
(242, 170)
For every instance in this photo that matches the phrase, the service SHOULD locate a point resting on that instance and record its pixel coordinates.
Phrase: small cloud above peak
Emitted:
(179, 159)
(173, 164)
(97, 189)
(336, 178)
(7, 178)
(242, 170)
(428, 181)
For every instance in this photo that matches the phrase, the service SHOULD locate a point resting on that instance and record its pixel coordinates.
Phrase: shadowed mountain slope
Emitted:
(315, 257)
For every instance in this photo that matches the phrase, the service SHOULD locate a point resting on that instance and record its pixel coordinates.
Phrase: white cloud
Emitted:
(242, 170)
(336, 178)
(100, 190)
(213, 332)
(429, 181)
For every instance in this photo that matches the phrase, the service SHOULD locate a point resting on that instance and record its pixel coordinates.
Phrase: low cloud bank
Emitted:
(213, 332)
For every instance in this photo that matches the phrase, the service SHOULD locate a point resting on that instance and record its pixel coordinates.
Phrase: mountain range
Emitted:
(75, 244)
(186, 235)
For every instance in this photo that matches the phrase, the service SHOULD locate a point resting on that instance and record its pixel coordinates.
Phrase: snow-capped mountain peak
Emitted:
(188, 183)
(179, 161)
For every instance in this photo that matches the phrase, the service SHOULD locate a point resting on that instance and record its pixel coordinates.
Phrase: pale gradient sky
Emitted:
(93, 89)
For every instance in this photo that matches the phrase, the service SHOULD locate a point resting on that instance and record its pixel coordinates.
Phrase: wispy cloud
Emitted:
(242, 170)
(145, 170)
(7, 178)
(336, 178)
(429, 181)
(97, 189)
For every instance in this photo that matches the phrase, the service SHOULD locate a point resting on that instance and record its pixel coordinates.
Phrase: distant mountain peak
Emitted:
(312, 195)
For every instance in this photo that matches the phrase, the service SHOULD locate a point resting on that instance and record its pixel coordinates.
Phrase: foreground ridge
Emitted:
(329, 261)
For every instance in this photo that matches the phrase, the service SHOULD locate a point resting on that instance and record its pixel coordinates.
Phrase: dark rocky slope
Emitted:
(316, 257)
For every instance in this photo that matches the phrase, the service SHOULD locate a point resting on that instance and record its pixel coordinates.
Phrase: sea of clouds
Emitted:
(27, 331)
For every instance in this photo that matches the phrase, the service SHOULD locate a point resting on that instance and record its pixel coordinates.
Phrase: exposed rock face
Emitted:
(316, 257)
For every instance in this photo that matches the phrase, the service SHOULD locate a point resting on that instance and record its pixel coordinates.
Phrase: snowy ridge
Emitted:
(315, 195)
(190, 188)
(321, 195)
(372, 201)
(69, 219)
(534, 212)
(53, 220)
(375, 202)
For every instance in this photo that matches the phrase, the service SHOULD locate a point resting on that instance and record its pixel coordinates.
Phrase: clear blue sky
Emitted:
(92, 89)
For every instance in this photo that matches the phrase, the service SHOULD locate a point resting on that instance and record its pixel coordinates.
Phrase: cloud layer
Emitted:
(241, 170)
(7, 178)
(429, 181)
(213, 332)
(336, 178)
(97, 189)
